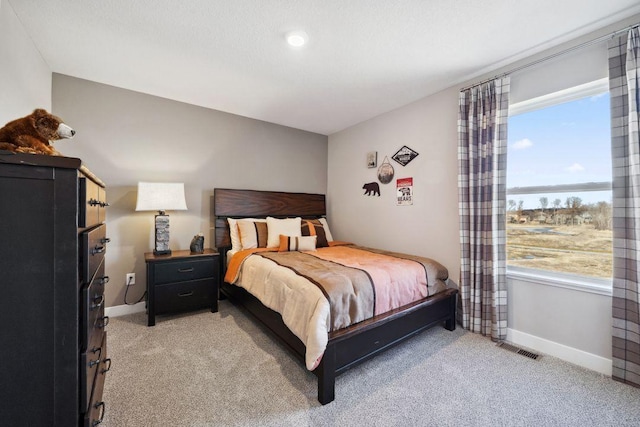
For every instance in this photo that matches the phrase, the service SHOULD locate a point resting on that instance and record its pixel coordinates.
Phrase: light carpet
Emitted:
(222, 369)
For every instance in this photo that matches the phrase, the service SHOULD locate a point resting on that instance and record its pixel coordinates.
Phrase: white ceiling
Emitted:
(364, 57)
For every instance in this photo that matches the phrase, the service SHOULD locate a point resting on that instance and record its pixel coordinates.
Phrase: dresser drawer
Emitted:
(94, 245)
(92, 203)
(95, 410)
(89, 362)
(92, 318)
(184, 296)
(182, 270)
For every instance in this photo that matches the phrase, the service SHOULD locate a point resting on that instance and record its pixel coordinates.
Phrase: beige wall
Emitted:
(25, 78)
(124, 137)
(571, 324)
(430, 226)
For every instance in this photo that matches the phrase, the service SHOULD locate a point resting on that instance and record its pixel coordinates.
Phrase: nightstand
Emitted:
(182, 281)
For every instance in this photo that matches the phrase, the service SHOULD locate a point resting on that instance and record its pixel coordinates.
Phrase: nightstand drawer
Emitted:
(183, 296)
(183, 270)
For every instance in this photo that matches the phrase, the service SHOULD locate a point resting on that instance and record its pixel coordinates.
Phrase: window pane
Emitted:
(568, 232)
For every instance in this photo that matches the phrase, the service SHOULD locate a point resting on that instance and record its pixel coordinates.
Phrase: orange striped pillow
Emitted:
(313, 227)
(253, 234)
(297, 243)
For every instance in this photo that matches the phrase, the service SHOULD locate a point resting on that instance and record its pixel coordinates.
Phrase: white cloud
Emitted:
(522, 144)
(576, 167)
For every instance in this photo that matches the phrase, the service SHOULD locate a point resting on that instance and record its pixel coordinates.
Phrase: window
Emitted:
(559, 184)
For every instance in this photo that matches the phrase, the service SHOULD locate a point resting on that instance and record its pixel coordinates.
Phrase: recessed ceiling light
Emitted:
(297, 38)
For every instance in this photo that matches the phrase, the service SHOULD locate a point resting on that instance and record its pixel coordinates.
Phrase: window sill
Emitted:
(562, 280)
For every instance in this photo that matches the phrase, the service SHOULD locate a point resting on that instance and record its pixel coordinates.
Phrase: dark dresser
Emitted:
(53, 344)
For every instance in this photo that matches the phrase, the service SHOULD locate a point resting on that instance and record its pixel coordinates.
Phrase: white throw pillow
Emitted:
(327, 233)
(287, 227)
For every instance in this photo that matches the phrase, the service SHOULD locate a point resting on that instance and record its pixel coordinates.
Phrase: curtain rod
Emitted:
(555, 55)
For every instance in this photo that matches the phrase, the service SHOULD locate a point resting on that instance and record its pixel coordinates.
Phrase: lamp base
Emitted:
(162, 234)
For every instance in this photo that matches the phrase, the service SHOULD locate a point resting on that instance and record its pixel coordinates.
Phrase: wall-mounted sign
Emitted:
(385, 171)
(404, 155)
(372, 159)
(404, 191)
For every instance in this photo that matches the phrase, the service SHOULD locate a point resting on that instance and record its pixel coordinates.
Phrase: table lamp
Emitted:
(161, 197)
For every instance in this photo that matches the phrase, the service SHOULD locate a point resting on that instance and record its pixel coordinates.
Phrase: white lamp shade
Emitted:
(161, 196)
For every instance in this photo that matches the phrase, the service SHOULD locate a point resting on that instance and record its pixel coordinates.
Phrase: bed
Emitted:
(345, 347)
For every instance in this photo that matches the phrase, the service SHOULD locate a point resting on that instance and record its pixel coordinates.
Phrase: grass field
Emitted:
(579, 249)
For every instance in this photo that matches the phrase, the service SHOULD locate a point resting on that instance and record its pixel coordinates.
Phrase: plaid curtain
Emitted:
(624, 86)
(482, 167)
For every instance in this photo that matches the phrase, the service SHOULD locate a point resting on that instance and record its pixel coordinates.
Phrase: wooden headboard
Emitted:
(260, 204)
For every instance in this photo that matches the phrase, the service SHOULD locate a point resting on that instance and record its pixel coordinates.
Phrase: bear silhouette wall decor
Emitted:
(371, 189)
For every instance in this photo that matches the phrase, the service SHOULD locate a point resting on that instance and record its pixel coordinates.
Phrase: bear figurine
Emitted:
(34, 133)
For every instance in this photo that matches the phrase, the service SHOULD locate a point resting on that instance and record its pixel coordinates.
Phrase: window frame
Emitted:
(548, 277)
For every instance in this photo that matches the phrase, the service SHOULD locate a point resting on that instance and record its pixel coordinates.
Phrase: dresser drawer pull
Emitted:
(93, 363)
(103, 280)
(97, 250)
(99, 405)
(186, 294)
(97, 302)
(105, 240)
(104, 322)
(104, 204)
(107, 362)
(94, 202)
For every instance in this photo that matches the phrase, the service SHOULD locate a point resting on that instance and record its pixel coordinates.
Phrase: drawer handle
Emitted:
(186, 294)
(104, 204)
(93, 363)
(99, 405)
(93, 202)
(105, 240)
(104, 323)
(107, 368)
(104, 280)
(97, 302)
(97, 250)
(185, 270)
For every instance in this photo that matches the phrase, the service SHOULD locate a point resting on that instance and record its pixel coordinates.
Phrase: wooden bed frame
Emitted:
(346, 347)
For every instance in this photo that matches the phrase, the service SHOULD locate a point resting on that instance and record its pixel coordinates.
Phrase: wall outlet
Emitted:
(131, 279)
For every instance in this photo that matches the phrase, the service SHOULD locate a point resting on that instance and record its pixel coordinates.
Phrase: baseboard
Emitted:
(569, 354)
(122, 310)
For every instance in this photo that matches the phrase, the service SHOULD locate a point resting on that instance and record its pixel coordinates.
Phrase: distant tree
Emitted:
(601, 214)
(544, 202)
(520, 204)
(556, 205)
(512, 204)
(574, 207)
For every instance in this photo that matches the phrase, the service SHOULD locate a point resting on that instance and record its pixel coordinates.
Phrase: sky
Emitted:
(564, 144)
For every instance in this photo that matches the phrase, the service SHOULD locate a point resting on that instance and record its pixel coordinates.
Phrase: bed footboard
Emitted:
(353, 345)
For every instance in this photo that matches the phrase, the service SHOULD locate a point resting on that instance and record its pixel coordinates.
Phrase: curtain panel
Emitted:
(482, 167)
(624, 86)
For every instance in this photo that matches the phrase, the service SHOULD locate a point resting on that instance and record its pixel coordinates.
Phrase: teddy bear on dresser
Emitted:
(34, 133)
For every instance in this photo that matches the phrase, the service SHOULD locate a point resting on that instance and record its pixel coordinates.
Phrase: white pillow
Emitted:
(287, 227)
(327, 233)
(236, 244)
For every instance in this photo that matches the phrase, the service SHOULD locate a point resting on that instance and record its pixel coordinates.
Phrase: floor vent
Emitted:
(518, 350)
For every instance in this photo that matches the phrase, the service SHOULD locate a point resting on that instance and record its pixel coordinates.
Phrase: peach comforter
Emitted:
(320, 291)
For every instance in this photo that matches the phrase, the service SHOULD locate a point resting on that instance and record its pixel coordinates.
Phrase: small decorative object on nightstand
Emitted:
(182, 281)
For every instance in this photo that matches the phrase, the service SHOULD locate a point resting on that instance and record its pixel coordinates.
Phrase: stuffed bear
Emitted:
(34, 133)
